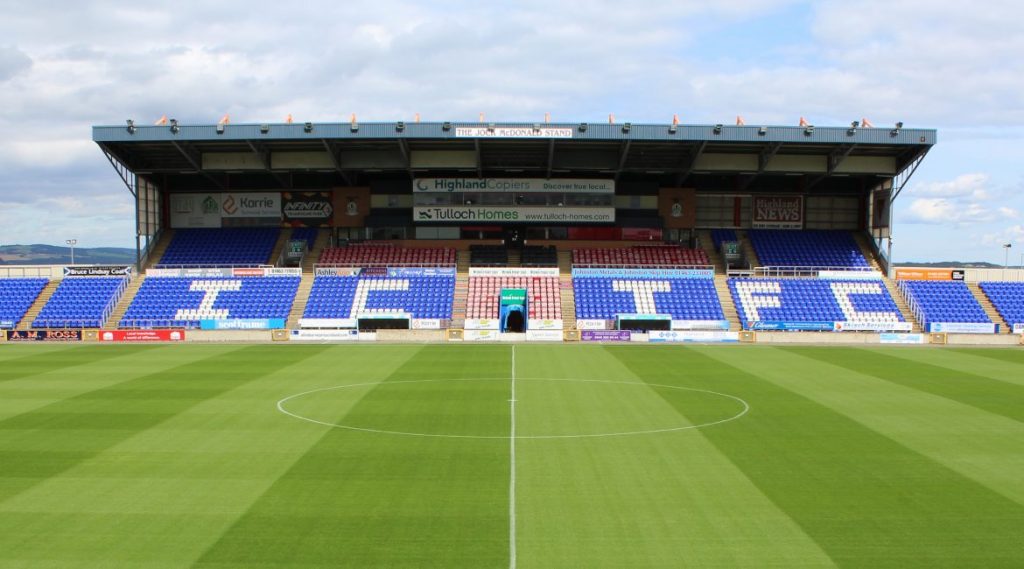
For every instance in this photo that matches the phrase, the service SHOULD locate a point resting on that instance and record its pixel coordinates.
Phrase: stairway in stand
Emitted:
(282, 240)
(990, 309)
(123, 303)
(901, 303)
(323, 239)
(748, 249)
(301, 298)
(708, 244)
(158, 250)
(461, 297)
(515, 258)
(728, 306)
(37, 306)
(567, 295)
(866, 250)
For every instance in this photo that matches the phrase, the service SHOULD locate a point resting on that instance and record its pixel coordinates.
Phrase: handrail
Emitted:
(213, 266)
(796, 270)
(637, 266)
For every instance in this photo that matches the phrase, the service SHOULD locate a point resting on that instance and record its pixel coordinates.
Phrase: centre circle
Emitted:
(478, 408)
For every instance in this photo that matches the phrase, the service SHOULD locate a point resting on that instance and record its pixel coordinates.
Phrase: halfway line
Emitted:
(512, 471)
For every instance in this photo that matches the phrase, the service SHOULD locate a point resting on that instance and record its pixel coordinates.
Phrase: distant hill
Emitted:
(54, 255)
(952, 265)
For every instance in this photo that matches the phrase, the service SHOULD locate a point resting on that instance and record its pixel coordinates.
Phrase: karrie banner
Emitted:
(425, 324)
(929, 275)
(513, 132)
(517, 185)
(512, 214)
(262, 204)
(590, 324)
(98, 271)
(44, 335)
(141, 336)
(778, 212)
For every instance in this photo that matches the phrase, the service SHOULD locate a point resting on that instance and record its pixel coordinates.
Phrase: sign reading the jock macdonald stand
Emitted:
(517, 185)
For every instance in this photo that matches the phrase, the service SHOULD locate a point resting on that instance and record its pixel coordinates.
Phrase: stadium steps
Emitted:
(123, 303)
(161, 246)
(708, 244)
(460, 299)
(515, 258)
(866, 250)
(990, 309)
(37, 306)
(282, 241)
(748, 249)
(901, 303)
(566, 292)
(728, 306)
(301, 299)
(323, 240)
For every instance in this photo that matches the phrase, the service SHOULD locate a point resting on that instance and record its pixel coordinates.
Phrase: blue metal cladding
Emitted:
(593, 132)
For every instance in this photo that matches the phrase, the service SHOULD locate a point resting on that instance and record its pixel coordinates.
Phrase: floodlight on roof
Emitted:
(446, 126)
(896, 131)
(626, 127)
(399, 126)
(264, 128)
(130, 126)
(717, 129)
(308, 127)
(354, 127)
(809, 130)
(762, 131)
(583, 127)
(220, 128)
(174, 126)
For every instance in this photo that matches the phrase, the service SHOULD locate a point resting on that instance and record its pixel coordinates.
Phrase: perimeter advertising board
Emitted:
(704, 337)
(98, 271)
(44, 335)
(929, 275)
(307, 209)
(141, 336)
(778, 212)
(194, 210)
(605, 335)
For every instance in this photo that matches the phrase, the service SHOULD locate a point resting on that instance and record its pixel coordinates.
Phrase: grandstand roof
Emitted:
(319, 155)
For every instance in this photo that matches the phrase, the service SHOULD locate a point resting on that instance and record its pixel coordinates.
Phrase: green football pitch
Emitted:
(535, 456)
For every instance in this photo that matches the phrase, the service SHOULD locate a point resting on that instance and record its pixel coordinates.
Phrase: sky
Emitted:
(950, 65)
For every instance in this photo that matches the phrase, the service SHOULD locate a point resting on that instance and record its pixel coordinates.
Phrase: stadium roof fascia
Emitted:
(523, 131)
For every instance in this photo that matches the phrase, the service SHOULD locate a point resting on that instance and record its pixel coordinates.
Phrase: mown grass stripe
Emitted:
(370, 500)
(868, 501)
(36, 363)
(978, 391)
(108, 416)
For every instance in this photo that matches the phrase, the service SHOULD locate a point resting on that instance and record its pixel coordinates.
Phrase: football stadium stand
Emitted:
(378, 254)
(488, 255)
(603, 298)
(81, 302)
(1008, 299)
(238, 247)
(544, 299)
(185, 301)
(943, 301)
(307, 234)
(803, 301)
(719, 236)
(343, 297)
(16, 296)
(786, 248)
(641, 256)
(538, 256)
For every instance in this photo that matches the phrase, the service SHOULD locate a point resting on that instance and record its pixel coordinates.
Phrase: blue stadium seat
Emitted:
(16, 296)
(344, 296)
(782, 248)
(80, 302)
(944, 301)
(220, 247)
(1008, 298)
(184, 301)
(603, 298)
(812, 300)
